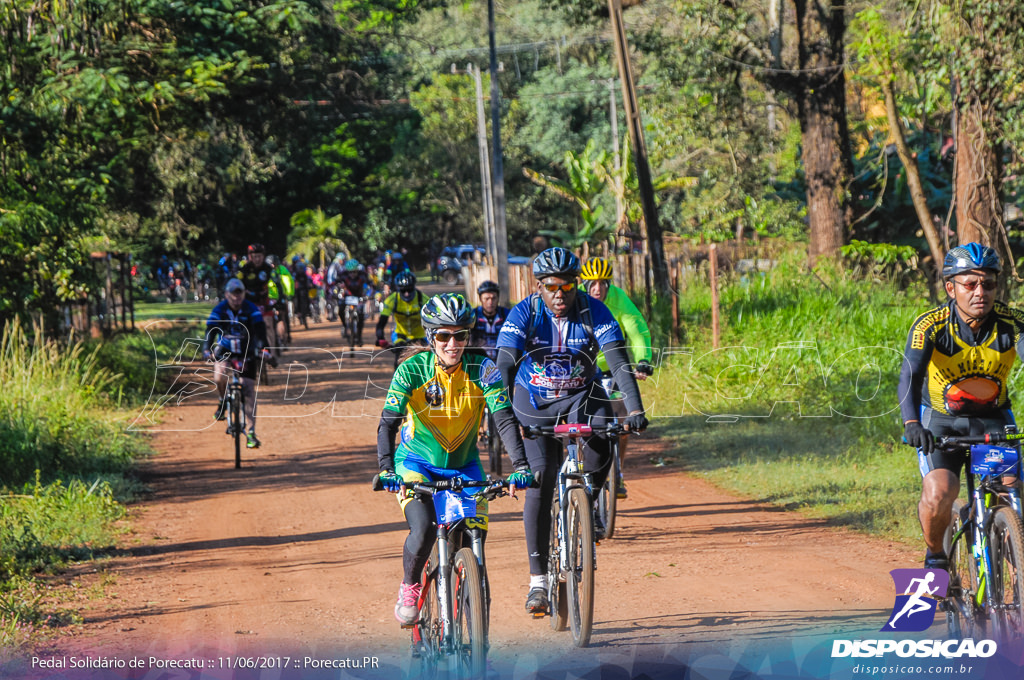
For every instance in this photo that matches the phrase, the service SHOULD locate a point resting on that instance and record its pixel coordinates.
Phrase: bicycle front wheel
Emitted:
(426, 634)
(557, 598)
(235, 415)
(1007, 541)
(468, 617)
(609, 496)
(963, 577)
(580, 579)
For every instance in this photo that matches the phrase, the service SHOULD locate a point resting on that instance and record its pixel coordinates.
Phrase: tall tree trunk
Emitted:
(821, 101)
(924, 215)
(979, 211)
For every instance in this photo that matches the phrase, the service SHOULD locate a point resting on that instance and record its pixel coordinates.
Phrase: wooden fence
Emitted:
(632, 271)
(111, 306)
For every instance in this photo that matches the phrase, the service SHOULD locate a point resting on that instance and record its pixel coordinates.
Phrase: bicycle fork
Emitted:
(569, 476)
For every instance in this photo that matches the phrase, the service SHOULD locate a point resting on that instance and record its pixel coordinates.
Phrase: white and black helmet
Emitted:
(449, 309)
(556, 262)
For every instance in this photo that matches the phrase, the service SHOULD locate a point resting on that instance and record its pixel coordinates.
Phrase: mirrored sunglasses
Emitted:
(445, 336)
(564, 287)
(986, 284)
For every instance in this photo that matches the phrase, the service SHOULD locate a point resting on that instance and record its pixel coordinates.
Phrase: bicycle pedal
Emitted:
(539, 615)
(407, 626)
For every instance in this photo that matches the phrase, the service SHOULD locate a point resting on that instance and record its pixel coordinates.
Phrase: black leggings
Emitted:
(420, 541)
(545, 456)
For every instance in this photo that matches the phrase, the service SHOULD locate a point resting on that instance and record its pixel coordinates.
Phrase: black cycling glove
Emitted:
(636, 422)
(917, 436)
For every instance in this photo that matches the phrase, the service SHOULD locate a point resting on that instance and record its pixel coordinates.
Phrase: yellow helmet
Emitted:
(596, 268)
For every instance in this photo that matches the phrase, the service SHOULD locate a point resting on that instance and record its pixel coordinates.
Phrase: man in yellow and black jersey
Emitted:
(405, 305)
(957, 365)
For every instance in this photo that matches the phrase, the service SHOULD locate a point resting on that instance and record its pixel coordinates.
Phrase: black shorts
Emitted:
(939, 424)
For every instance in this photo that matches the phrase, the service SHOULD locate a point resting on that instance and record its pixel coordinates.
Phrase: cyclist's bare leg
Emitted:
(221, 373)
(938, 491)
(249, 393)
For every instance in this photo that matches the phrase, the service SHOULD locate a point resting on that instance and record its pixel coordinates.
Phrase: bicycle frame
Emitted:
(570, 475)
(986, 493)
(448, 542)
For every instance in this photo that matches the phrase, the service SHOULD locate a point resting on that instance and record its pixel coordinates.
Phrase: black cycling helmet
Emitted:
(487, 287)
(969, 257)
(257, 248)
(556, 262)
(405, 281)
(449, 309)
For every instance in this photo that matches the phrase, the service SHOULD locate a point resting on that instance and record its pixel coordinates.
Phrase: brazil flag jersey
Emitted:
(442, 411)
(955, 371)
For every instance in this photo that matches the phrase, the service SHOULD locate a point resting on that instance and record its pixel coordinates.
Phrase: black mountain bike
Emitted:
(234, 406)
(985, 542)
(572, 554)
(450, 636)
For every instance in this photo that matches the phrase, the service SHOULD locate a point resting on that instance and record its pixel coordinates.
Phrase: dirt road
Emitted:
(294, 556)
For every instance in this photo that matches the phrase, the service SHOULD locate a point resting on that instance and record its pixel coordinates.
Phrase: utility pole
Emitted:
(485, 164)
(498, 170)
(636, 136)
(620, 208)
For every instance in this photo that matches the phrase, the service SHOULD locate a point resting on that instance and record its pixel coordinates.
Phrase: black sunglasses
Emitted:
(444, 336)
(986, 284)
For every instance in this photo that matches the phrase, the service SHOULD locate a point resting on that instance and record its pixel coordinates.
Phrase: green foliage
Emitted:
(799, 406)
(51, 410)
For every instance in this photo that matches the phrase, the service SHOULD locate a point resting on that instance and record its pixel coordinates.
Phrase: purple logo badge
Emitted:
(918, 592)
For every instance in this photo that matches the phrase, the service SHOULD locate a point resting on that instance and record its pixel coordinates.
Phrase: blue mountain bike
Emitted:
(985, 541)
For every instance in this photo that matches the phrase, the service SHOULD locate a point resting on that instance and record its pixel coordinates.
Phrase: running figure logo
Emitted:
(918, 593)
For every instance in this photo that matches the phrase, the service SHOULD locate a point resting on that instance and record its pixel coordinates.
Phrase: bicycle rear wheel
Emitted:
(426, 634)
(580, 579)
(963, 577)
(1007, 541)
(558, 602)
(609, 496)
(468, 617)
(235, 423)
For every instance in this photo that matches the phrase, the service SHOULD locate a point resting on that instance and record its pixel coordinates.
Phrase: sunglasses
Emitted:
(986, 284)
(554, 287)
(444, 336)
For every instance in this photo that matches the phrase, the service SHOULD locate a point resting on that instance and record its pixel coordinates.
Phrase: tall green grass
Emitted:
(55, 410)
(799, 406)
(63, 449)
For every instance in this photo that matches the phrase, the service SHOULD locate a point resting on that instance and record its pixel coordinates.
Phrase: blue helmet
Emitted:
(968, 257)
(556, 262)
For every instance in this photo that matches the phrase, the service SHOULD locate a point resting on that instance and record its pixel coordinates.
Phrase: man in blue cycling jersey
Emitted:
(236, 328)
(954, 380)
(489, 318)
(547, 351)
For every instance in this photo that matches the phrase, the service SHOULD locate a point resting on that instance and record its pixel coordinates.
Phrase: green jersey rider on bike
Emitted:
(954, 378)
(597, 282)
(436, 399)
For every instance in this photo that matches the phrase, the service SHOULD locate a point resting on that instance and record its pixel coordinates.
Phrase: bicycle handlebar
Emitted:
(952, 442)
(490, 488)
(572, 430)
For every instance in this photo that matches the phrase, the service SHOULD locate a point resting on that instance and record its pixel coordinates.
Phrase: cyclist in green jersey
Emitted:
(436, 400)
(597, 282)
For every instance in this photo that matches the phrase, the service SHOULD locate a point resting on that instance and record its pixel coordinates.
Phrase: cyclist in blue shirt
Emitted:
(547, 351)
(489, 318)
(236, 328)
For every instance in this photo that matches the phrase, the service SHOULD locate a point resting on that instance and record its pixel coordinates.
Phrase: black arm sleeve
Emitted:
(381, 323)
(508, 428)
(508, 364)
(387, 430)
(622, 371)
(912, 374)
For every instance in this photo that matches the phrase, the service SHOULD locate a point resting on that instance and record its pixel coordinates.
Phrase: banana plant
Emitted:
(583, 185)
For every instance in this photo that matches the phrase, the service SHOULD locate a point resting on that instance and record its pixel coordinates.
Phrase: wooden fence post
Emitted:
(713, 259)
